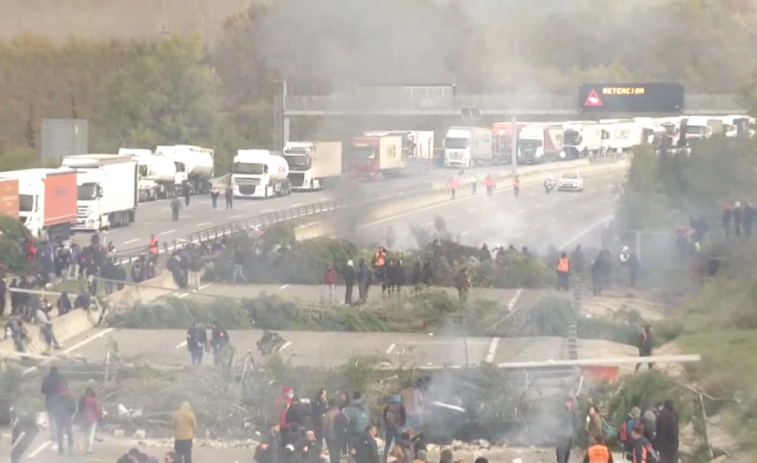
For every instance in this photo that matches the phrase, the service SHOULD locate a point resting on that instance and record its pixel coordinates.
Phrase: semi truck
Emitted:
(375, 156)
(259, 174)
(107, 187)
(581, 139)
(502, 141)
(194, 166)
(157, 173)
(311, 164)
(46, 201)
(539, 143)
(9, 197)
(417, 144)
(467, 146)
(622, 136)
(700, 128)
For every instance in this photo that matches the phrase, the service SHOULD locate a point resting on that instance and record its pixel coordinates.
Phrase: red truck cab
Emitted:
(364, 158)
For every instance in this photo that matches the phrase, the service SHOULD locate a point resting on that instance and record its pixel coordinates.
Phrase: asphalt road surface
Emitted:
(534, 219)
(155, 217)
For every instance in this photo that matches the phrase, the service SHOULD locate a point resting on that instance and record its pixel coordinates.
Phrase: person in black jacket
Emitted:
(310, 448)
(416, 277)
(350, 276)
(366, 449)
(645, 345)
(63, 407)
(666, 439)
(318, 408)
(567, 427)
(297, 417)
(197, 342)
(268, 450)
(53, 383)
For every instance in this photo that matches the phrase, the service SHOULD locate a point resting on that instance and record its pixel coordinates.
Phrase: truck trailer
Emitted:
(417, 144)
(259, 174)
(9, 197)
(311, 164)
(46, 201)
(157, 173)
(468, 146)
(194, 166)
(502, 141)
(107, 190)
(376, 156)
(539, 143)
(581, 139)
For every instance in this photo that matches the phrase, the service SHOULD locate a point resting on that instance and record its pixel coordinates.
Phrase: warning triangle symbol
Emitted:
(593, 99)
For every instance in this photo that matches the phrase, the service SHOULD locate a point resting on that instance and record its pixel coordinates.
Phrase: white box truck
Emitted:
(107, 187)
(467, 146)
(581, 139)
(619, 137)
(194, 165)
(259, 174)
(311, 164)
(46, 201)
(157, 173)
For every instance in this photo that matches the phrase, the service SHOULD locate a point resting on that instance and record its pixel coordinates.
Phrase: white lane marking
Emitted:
(39, 449)
(70, 349)
(184, 343)
(472, 209)
(464, 233)
(265, 211)
(168, 232)
(586, 231)
(514, 300)
(182, 295)
(148, 223)
(284, 286)
(537, 205)
(131, 241)
(428, 224)
(390, 348)
(592, 190)
(205, 286)
(204, 224)
(236, 216)
(297, 205)
(492, 350)
(451, 217)
(286, 344)
(552, 219)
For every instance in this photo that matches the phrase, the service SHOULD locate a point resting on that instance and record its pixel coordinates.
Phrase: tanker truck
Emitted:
(157, 173)
(194, 165)
(259, 174)
(311, 164)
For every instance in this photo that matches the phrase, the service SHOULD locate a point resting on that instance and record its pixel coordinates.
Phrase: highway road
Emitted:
(534, 219)
(155, 217)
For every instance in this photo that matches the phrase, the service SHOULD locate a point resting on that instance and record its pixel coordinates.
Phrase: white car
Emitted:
(570, 181)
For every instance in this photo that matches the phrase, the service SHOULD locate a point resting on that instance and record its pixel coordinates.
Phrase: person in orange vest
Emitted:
(379, 263)
(489, 182)
(598, 453)
(453, 185)
(563, 272)
(153, 247)
(516, 186)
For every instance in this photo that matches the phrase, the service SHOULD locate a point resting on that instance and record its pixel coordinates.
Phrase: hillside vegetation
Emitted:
(177, 89)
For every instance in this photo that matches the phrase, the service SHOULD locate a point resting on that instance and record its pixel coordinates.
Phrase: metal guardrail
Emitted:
(495, 104)
(131, 254)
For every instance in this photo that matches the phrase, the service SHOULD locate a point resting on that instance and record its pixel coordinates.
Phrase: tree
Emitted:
(165, 96)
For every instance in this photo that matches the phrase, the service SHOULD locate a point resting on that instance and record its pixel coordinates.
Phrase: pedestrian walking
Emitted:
(395, 418)
(229, 194)
(350, 276)
(474, 183)
(214, 193)
(563, 272)
(362, 282)
(187, 190)
(238, 260)
(565, 431)
(184, 426)
(726, 218)
(45, 324)
(329, 280)
(748, 220)
(63, 408)
(197, 342)
(175, 208)
(645, 345)
(453, 185)
(89, 412)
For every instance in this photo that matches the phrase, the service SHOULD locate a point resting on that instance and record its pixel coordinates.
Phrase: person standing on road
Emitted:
(516, 186)
(474, 183)
(645, 345)
(726, 219)
(567, 427)
(350, 276)
(175, 208)
(197, 342)
(63, 408)
(453, 185)
(329, 280)
(239, 267)
(89, 411)
(563, 272)
(214, 193)
(363, 280)
(229, 194)
(748, 220)
(52, 383)
(187, 190)
(184, 426)
(489, 182)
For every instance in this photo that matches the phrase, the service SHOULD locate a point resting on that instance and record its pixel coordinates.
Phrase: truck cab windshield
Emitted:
(297, 161)
(249, 168)
(142, 169)
(572, 137)
(529, 143)
(25, 203)
(180, 167)
(87, 192)
(456, 143)
(364, 152)
(696, 129)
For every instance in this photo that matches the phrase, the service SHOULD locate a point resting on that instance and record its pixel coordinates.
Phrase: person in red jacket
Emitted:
(330, 281)
(89, 410)
(489, 182)
(283, 401)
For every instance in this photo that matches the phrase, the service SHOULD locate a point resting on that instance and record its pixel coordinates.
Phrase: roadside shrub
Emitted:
(13, 237)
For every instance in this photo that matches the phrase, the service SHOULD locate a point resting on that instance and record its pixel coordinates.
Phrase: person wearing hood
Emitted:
(297, 417)
(666, 440)
(648, 424)
(184, 428)
(63, 304)
(624, 435)
(350, 276)
(394, 420)
(52, 383)
(359, 417)
(365, 449)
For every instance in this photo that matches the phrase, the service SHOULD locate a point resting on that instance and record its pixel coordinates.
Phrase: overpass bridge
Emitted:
(412, 102)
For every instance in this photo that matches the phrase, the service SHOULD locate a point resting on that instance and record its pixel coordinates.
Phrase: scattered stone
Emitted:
(139, 433)
(457, 445)
(118, 433)
(484, 444)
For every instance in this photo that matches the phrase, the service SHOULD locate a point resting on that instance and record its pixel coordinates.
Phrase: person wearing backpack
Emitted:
(394, 420)
(624, 433)
(642, 448)
(359, 417)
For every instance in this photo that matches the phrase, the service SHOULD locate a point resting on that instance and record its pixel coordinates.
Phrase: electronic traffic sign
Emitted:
(630, 98)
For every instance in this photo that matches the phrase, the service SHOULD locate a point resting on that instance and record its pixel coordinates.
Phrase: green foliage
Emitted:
(12, 241)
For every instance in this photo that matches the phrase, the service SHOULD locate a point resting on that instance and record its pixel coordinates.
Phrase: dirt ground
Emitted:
(649, 305)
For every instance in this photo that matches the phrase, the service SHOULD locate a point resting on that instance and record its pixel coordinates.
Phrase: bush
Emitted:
(12, 244)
